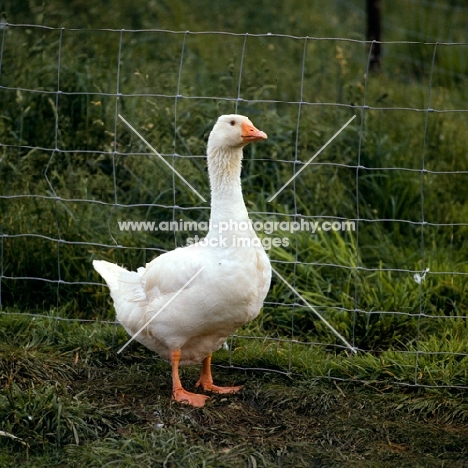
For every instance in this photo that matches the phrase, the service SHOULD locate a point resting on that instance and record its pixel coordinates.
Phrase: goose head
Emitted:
(234, 131)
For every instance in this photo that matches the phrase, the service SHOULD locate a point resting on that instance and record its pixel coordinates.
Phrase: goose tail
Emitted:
(124, 285)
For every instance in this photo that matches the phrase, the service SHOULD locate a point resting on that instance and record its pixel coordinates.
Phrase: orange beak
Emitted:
(250, 133)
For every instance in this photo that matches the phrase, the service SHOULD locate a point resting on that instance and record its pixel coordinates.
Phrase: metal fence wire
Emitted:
(57, 215)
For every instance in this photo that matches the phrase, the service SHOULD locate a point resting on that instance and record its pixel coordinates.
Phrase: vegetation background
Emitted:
(70, 170)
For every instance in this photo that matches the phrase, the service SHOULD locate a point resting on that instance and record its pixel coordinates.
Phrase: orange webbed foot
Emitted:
(194, 399)
(206, 380)
(210, 387)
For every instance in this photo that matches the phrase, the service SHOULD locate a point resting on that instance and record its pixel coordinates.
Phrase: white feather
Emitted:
(226, 294)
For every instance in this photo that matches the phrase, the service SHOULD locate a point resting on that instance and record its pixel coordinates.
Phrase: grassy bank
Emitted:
(71, 400)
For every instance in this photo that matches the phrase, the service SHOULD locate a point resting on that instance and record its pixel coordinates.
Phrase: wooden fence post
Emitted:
(373, 32)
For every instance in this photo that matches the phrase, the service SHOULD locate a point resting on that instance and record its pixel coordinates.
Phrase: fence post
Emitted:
(373, 32)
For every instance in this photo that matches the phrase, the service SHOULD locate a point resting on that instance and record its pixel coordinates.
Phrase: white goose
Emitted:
(193, 321)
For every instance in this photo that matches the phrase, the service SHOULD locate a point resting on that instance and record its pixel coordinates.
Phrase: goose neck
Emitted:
(224, 167)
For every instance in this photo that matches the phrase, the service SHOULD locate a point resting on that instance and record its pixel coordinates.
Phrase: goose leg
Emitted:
(206, 380)
(178, 392)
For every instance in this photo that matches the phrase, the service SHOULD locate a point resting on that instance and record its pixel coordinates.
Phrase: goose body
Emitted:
(185, 303)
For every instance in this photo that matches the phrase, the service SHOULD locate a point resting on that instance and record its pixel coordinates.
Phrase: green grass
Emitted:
(69, 398)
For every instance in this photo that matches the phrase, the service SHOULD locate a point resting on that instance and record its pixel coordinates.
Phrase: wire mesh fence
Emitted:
(77, 184)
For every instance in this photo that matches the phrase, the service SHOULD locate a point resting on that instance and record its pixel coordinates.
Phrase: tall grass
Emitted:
(70, 170)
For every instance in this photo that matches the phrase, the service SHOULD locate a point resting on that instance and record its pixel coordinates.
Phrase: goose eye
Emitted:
(232, 122)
